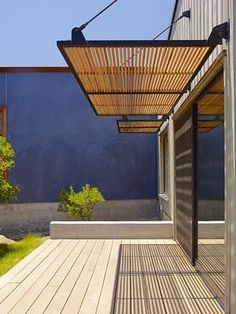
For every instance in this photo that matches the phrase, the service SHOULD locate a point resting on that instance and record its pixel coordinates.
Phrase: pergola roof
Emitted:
(139, 126)
(207, 125)
(135, 77)
(211, 102)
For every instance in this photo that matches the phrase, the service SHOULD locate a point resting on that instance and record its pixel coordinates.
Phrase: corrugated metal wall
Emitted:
(205, 14)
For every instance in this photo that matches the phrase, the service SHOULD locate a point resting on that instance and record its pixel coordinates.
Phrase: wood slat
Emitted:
(142, 124)
(51, 288)
(211, 102)
(77, 295)
(138, 126)
(91, 299)
(64, 291)
(28, 281)
(38, 286)
(138, 130)
(135, 70)
(38, 254)
(208, 125)
(106, 297)
(100, 276)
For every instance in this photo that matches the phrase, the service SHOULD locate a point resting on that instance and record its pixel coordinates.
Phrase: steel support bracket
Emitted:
(218, 33)
(77, 36)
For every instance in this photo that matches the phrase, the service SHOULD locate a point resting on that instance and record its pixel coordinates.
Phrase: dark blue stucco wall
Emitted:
(211, 164)
(59, 141)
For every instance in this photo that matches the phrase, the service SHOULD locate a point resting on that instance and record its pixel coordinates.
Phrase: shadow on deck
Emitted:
(104, 277)
(160, 279)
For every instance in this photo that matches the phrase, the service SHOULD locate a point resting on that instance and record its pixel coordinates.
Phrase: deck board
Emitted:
(107, 276)
(60, 298)
(54, 284)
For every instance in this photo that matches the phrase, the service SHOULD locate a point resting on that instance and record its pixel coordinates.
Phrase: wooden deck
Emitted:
(211, 263)
(106, 276)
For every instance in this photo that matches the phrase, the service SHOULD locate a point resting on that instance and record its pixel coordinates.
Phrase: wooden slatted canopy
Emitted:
(206, 126)
(211, 102)
(139, 126)
(135, 77)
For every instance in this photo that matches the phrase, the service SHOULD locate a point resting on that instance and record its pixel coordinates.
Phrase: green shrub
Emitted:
(80, 204)
(8, 191)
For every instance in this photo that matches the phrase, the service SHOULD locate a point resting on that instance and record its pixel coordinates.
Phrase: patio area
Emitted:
(106, 276)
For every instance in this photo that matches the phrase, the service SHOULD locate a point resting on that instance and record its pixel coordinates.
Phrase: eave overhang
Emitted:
(137, 77)
(139, 126)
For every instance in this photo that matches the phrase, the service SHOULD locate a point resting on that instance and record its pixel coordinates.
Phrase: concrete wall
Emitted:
(111, 230)
(59, 141)
(19, 219)
(128, 230)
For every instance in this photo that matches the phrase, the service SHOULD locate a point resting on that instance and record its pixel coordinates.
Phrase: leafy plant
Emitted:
(8, 191)
(80, 204)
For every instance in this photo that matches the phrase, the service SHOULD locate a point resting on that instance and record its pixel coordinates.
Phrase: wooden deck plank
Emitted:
(26, 271)
(138, 306)
(107, 294)
(196, 286)
(25, 285)
(90, 276)
(178, 306)
(77, 295)
(123, 306)
(54, 284)
(152, 288)
(36, 289)
(59, 299)
(208, 306)
(26, 261)
(123, 287)
(91, 299)
(156, 306)
(7, 290)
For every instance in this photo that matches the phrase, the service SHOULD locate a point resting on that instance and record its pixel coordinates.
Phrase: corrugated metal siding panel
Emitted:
(205, 14)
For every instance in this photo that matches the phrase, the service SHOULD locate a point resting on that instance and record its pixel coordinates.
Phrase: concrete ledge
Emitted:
(111, 230)
(211, 229)
(129, 229)
(18, 219)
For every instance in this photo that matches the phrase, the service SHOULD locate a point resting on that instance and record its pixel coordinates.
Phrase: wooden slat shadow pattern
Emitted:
(211, 259)
(158, 278)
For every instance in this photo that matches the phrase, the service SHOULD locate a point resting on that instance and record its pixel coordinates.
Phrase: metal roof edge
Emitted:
(139, 43)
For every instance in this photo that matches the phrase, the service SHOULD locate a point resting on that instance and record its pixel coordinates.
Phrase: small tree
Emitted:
(8, 191)
(80, 204)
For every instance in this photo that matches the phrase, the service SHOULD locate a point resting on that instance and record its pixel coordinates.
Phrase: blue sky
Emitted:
(29, 29)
